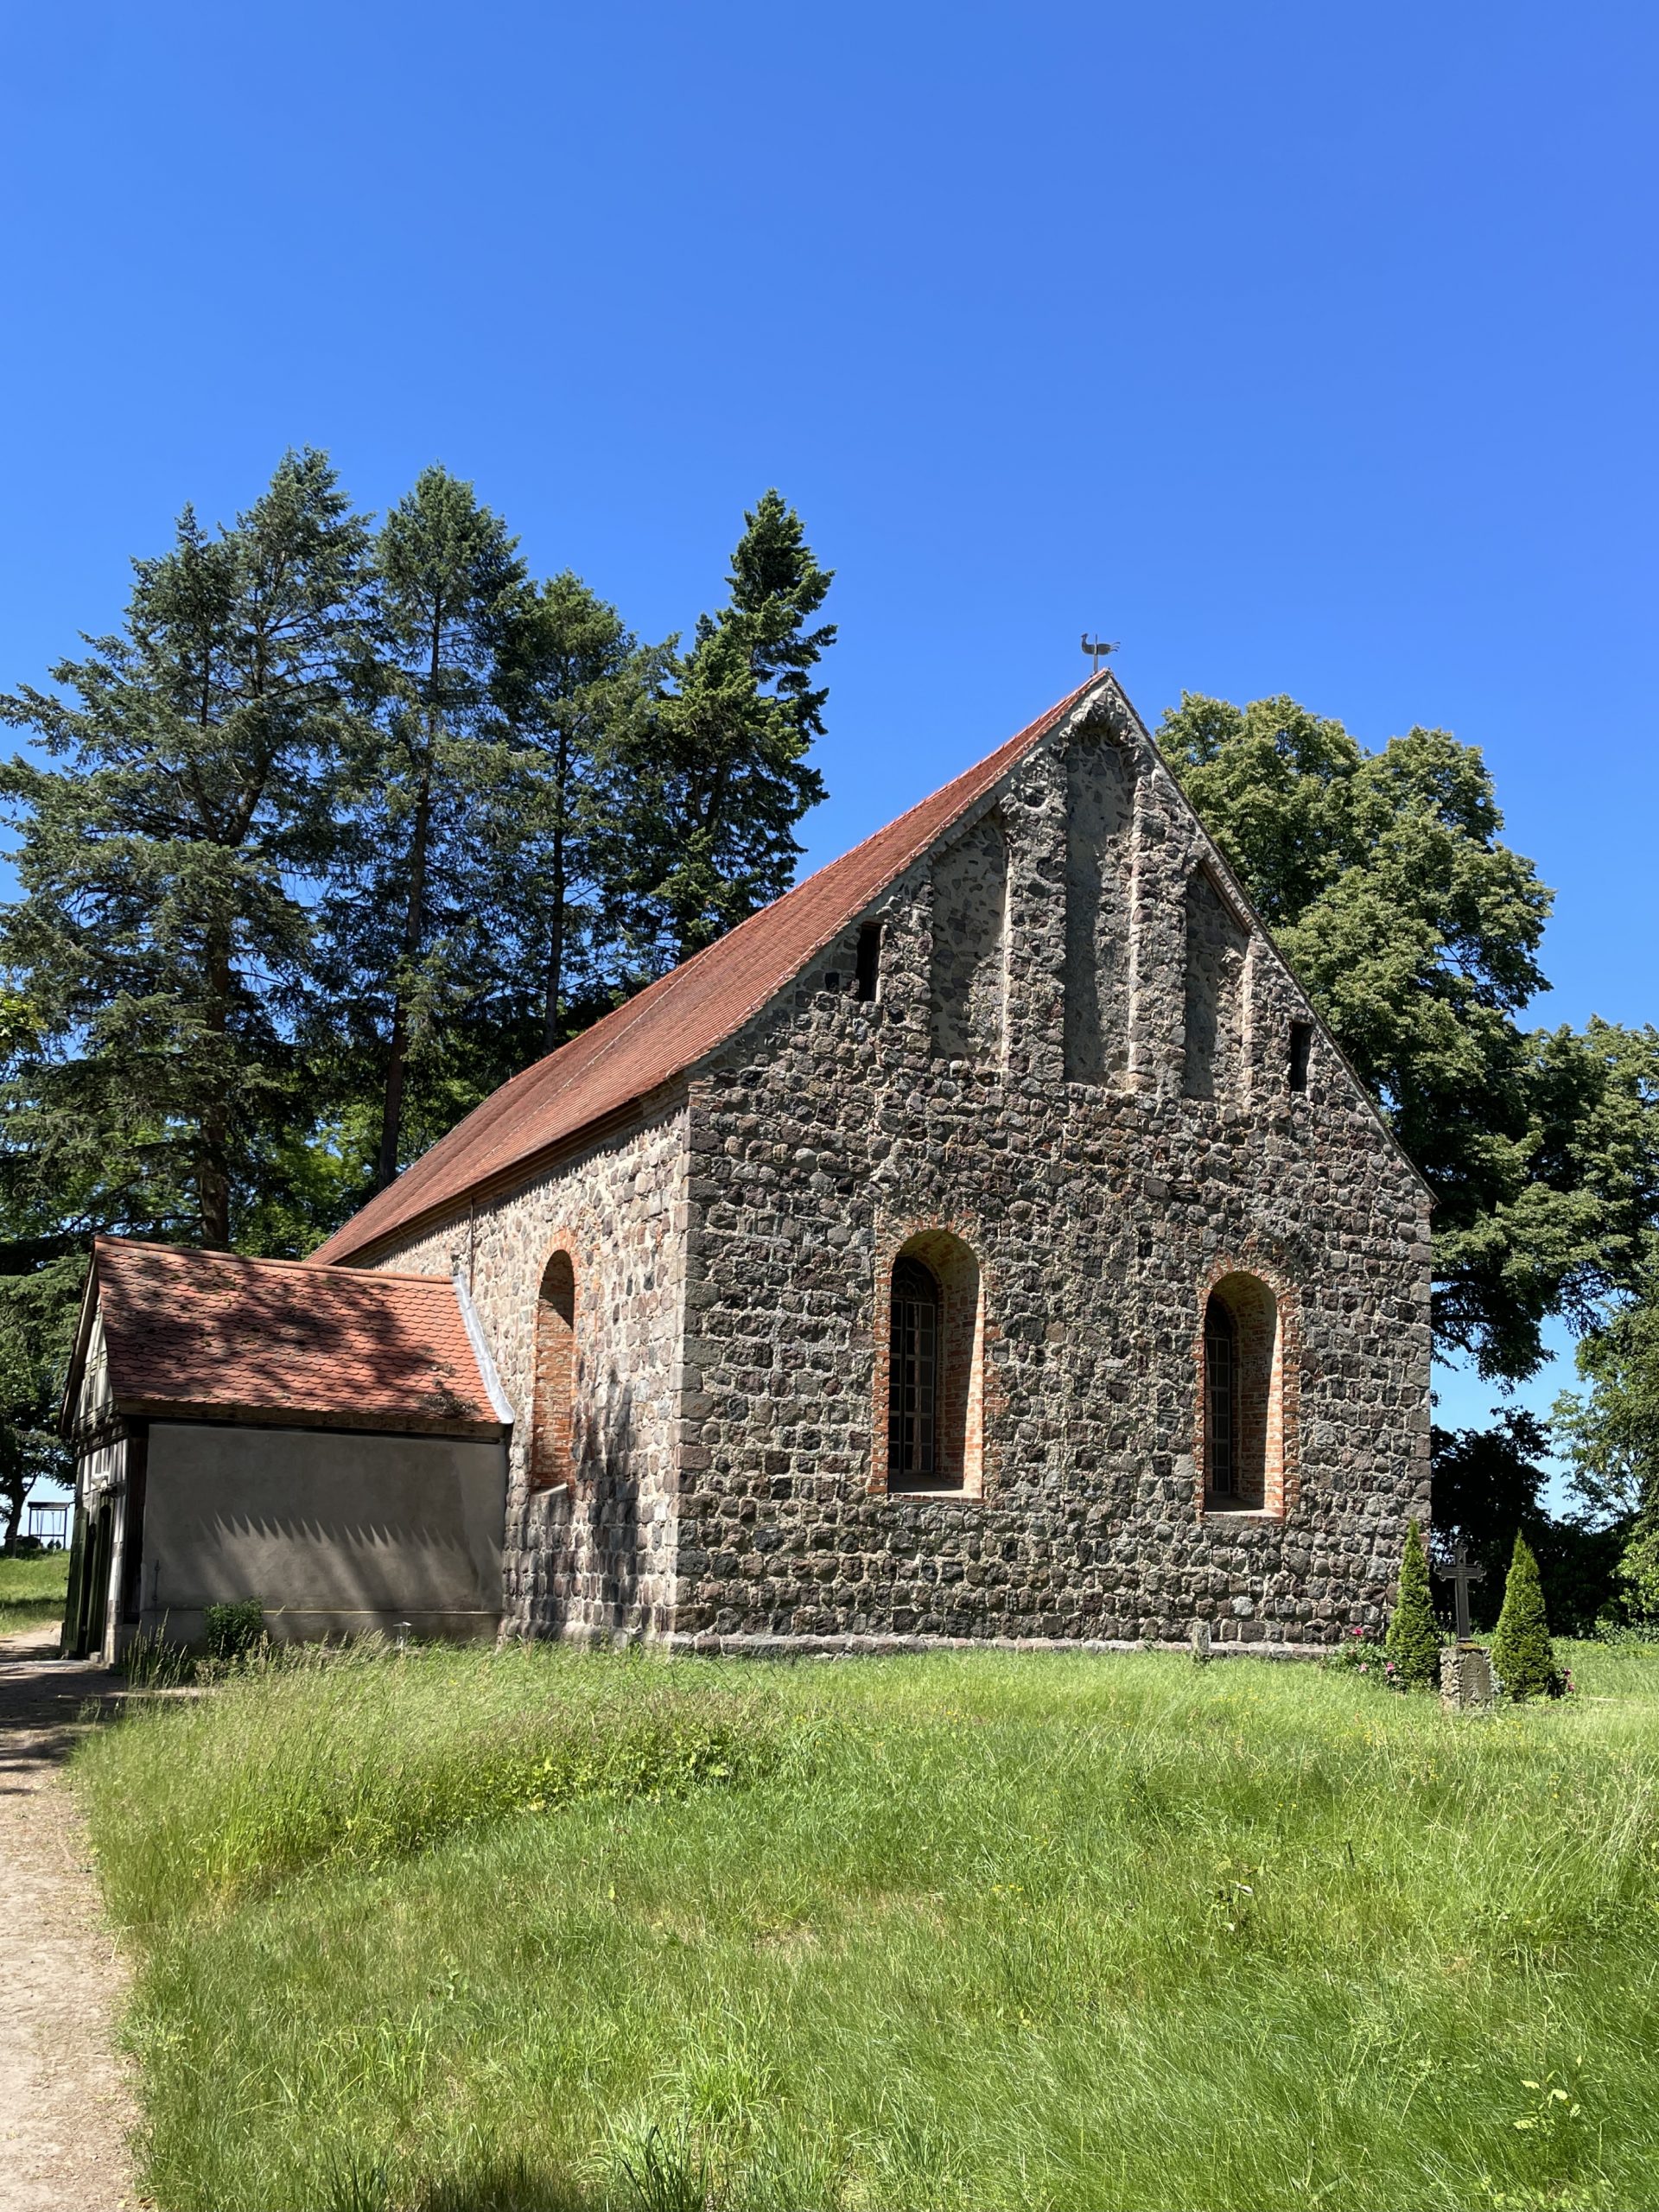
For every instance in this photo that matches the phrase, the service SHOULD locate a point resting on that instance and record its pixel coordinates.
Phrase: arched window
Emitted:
(551, 1463)
(913, 1371)
(931, 1388)
(1221, 1398)
(1242, 1415)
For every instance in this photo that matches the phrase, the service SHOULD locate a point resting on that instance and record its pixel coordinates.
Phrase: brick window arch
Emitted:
(1242, 1398)
(930, 1368)
(550, 1462)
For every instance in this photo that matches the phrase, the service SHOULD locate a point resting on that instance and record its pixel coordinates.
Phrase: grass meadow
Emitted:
(457, 1930)
(32, 1591)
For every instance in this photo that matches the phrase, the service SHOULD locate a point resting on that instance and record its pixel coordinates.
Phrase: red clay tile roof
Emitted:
(679, 1020)
(206, 1336)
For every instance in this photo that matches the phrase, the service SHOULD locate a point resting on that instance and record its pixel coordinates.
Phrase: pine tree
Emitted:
(707, 799)
(1524, 1659)
(159, 951)
(574, 686)
(1413, 1641)
(414, 887)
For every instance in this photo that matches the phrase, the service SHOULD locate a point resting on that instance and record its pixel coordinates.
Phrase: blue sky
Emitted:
(1302, 348)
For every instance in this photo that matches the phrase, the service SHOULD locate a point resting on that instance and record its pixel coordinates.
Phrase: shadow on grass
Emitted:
(652, 2182)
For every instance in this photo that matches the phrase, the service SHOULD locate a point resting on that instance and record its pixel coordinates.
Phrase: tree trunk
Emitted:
(553, 1012)
(13, 1495)
(213, 1164)
(391, 1118)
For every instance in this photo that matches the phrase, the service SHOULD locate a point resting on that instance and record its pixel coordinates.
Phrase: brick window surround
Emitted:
(960, 1455)
(550, 1462)
(1266, 1372)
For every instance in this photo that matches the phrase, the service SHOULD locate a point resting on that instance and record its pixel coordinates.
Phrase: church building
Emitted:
(984, 1241)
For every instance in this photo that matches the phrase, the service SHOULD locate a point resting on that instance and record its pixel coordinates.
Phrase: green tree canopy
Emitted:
(576, 690)
(708, 798)
(37, 1318)
(1490, 1485)
(1415, 930)
(161, 944)
(415, 876)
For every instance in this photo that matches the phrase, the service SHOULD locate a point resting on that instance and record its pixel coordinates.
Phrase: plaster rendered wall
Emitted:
(333, 1533)
(594, 1556)
(1100, 1212)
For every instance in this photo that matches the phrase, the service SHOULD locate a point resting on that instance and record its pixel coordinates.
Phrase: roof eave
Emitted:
(203, 1412)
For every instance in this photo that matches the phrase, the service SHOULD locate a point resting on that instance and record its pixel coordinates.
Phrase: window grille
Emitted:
(912, 1370)
(1220, 1376)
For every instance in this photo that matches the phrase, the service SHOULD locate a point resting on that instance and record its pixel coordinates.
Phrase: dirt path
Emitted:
(65, 2103)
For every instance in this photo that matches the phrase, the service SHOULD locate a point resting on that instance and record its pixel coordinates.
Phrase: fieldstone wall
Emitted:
(1017, 1086)
(1216, 945)
(1099, 879)
(970, 971)
(594, 1556)
(1099, 1211)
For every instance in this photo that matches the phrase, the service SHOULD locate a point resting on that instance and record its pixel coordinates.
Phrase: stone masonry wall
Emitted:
(1099, 1212)
(969, 977)
(594, 1556)
(1100, 853)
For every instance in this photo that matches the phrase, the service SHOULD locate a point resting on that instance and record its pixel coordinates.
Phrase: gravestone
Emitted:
(1465, 1677)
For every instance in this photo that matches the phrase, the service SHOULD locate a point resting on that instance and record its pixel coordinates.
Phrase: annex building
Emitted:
(984, 1241)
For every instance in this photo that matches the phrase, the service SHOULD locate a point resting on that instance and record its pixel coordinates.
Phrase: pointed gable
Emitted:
(603, 1077)
(667, 1029)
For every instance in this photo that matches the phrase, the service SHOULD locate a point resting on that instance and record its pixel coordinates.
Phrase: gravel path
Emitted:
(66, 2099)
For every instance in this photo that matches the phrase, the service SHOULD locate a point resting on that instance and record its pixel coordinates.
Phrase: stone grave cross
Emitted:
(1462, 1572)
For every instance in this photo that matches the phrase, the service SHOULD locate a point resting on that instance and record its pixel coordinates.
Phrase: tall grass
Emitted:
(305, 1757)
(32, 1591)
(978, 1930)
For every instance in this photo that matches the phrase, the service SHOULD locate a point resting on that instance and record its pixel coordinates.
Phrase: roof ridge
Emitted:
(194, 1252)
(691, 1012)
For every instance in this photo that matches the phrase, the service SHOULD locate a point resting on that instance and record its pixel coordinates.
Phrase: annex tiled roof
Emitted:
(668, 1028)
(206, 1336)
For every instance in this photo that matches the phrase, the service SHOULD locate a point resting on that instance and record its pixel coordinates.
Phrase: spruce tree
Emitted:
(708, 798)
(1413, 1641)
(414, 887)
(160, 948)
(574, 688)
(1523, 1658)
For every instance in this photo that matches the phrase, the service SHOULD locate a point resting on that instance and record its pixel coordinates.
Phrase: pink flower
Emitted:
(1363, 1669)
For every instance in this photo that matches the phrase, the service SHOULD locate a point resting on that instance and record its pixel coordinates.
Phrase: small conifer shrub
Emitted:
(1413, 1642)
(1523, 1658)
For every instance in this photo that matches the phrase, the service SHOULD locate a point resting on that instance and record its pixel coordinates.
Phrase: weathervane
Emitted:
(1098, 650)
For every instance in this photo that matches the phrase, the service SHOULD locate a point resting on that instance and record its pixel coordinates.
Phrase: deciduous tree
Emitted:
(1415, 930)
